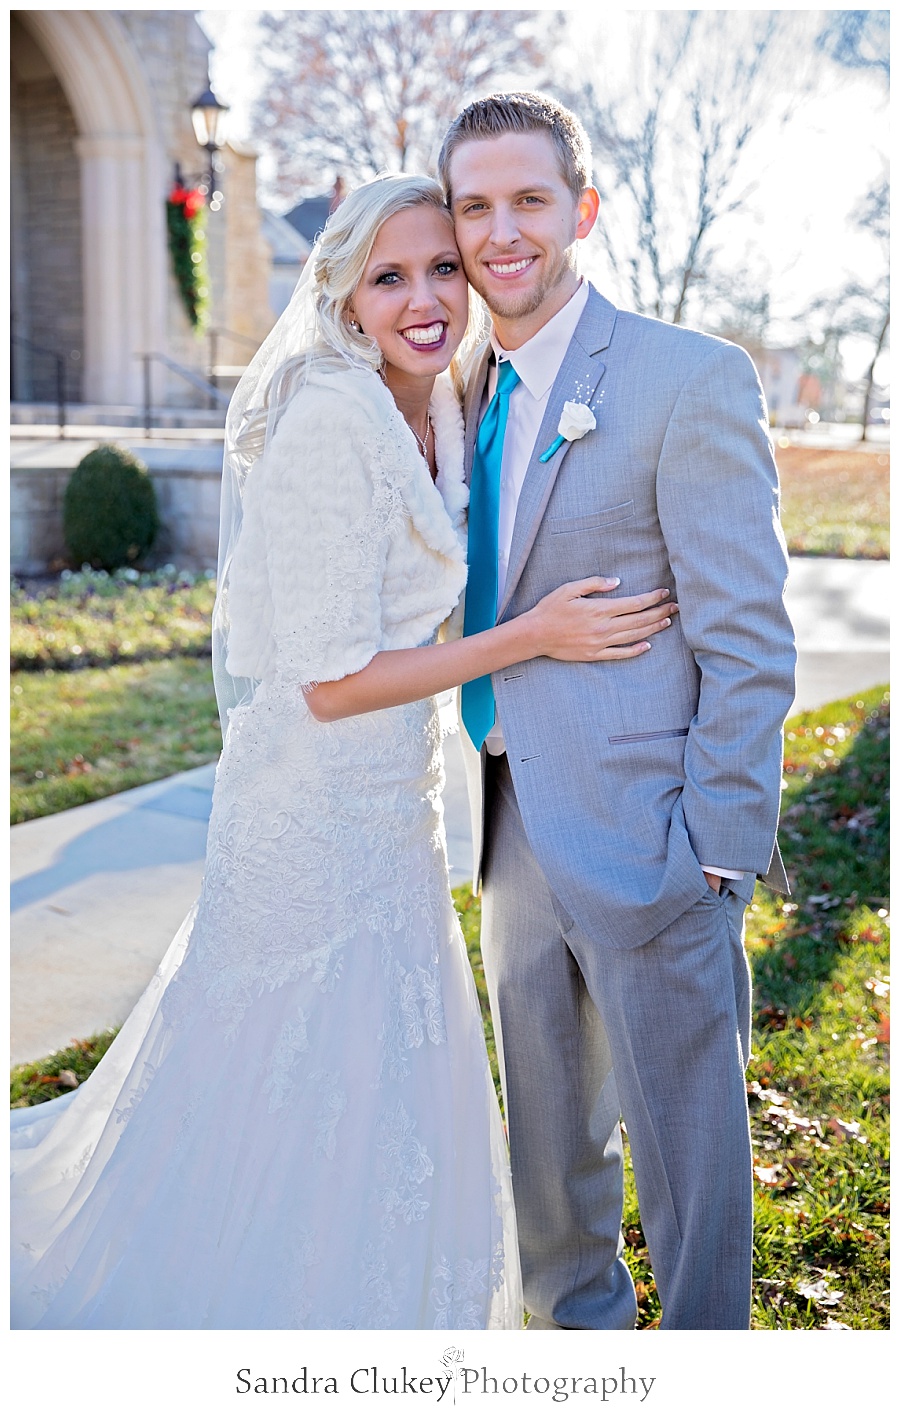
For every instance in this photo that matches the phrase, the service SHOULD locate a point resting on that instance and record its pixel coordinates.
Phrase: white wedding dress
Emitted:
(296, 1126)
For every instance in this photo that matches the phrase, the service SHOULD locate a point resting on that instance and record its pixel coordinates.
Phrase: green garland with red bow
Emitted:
(187, 244)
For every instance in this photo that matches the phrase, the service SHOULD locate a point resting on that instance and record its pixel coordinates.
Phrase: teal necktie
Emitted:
(484, 518)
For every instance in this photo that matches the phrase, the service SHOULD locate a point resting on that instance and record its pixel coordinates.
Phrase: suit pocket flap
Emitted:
(604, 516)
(647, 735)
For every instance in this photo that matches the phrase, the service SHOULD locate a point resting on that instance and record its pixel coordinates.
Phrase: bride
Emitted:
(296, 1126)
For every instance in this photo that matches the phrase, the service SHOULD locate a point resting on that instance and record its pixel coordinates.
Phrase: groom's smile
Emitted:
(504, 269)
(517, 221)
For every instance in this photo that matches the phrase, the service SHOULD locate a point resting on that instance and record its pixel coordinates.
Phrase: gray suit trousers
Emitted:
(658, 1034)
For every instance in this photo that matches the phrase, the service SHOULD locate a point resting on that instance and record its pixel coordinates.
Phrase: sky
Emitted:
(806, 179)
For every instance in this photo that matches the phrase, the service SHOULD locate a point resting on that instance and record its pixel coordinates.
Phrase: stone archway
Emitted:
(121, 157)
(45, 229)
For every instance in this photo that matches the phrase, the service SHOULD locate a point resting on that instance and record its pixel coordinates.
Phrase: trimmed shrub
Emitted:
(110, 516)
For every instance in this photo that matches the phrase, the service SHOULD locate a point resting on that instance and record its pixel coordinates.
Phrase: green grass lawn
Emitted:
(59, 1073)
(818, 1080)
(77, 736)
(90, 619)
(111, 685)
(819, 1085)
(835, 502)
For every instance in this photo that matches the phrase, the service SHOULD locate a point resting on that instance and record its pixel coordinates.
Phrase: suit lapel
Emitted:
(579, 375)
(472, 403)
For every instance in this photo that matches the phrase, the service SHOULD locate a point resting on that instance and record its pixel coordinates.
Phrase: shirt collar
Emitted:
(538, 361)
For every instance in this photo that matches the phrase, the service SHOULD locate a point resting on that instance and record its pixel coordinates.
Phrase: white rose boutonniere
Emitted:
(575, 421)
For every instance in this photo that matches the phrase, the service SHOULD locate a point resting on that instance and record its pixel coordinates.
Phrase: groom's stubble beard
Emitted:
(515, 305)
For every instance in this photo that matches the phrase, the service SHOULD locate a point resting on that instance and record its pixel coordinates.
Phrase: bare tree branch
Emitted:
(671, 139)
(358, 92)
(863, 308)
(858, 39)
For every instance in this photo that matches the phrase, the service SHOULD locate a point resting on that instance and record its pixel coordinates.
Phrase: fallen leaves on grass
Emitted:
(847, 1130)
(818, 1102)
(78, 765)
(879, 986)
(820, 1291)
(767, 1173)
(59, 1073)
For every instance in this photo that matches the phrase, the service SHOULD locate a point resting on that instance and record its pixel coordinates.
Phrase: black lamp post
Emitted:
(208, 118)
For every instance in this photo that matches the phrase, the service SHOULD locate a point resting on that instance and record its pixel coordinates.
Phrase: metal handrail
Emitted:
(213, 333)
(233, 335)
(60, 378)
(185, 373)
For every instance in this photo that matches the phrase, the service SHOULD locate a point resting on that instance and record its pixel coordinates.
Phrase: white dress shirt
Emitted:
(537, 363)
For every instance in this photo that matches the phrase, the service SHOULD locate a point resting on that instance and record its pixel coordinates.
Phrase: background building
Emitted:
(100, 115)
(289, 253)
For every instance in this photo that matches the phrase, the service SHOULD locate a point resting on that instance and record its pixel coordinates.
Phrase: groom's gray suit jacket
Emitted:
(631, 774)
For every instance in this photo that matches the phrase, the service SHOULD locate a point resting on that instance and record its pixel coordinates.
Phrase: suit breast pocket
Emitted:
(603, 518)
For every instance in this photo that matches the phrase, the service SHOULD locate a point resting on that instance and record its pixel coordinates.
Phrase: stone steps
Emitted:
(38, 414)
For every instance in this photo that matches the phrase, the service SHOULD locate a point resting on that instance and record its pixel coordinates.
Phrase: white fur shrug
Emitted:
(346, 546)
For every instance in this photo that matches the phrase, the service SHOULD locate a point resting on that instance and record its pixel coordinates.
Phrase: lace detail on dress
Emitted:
(292, 1042)
(313, 832)
(417, 1011)
(330, 965)
(75, 1170)
(44, 1296)
(186, 1119)
(404, 1165)
(332, 1107)
(125, 1112)
(382, 1296)
(460, 1290)
(292, 1300)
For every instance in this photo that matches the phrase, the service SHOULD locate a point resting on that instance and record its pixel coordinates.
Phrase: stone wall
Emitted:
(187, 482)
(248, 258)
(46, 213)
(36, 543)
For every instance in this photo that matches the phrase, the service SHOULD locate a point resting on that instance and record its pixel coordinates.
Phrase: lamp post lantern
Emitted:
(208, 118)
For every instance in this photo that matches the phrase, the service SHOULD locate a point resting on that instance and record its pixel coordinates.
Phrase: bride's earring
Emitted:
(354, 325)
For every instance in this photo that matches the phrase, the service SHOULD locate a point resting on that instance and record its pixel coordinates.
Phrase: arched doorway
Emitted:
(88, 241)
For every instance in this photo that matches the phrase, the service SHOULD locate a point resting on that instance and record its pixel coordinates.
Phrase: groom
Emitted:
(628, 806)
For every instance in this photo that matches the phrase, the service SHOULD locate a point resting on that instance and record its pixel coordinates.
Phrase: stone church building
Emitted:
(100, 116)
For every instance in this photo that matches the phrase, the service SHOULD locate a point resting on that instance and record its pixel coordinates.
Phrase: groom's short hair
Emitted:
(522, 112)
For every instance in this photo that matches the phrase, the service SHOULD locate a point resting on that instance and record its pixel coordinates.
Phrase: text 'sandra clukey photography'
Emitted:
(452, 1380)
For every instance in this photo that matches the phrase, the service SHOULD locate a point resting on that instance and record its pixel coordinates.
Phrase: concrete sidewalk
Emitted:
(98, 892)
